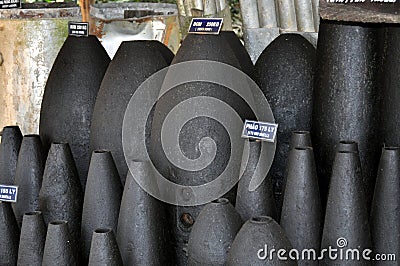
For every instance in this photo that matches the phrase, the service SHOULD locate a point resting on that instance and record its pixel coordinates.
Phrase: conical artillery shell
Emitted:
(102, 198)
(104, 250)
(28, 176)
(260, 201)
(142, 232)
(301, 216)
(385, 214)
(299, 139)
(58, 249)
(346, 220)
(31, 243)
(9, 150)
(61, 196)
(346, 98)
(9, 235)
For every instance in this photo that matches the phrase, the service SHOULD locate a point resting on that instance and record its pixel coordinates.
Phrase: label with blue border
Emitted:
(79, 29)
(8, 193)
(8, 4)
(206, 25)
(259, 130)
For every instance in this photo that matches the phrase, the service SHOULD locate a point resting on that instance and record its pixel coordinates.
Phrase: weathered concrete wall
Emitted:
(28, 47)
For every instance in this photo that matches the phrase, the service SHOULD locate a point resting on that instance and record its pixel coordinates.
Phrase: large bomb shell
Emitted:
(346, 98)
(285, 74)
(69, 97)
(134, 62)
(208, 116)
(213, 233)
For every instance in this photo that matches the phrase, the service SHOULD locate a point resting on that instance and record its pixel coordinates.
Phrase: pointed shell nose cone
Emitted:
(29, 175)
(104, 250)
(58, 248)
(61, 196)
(346, 212)
(102, 198)
(33, 236)
(9, 149)
(386, 203)
(301, 216)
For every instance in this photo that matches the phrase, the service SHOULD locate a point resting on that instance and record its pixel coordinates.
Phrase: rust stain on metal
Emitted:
(97, 28)
(187, 219)
(172, 34)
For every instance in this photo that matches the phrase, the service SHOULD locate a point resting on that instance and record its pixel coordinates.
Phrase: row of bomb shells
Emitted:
(332, 102)
(69, 102)
(91, 122)
(50, 195)
(38, 247)
(135, 223)
(347, 224)
(342, 116)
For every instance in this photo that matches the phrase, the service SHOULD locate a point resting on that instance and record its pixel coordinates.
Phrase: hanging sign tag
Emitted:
(259, 130)
(206, 25)
(8, 193)
(79, 29)
(8, 4)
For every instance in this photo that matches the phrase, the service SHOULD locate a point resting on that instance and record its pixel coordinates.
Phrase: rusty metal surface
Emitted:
(374, 12)
(29, 42)
(41, 11)
(111, 27)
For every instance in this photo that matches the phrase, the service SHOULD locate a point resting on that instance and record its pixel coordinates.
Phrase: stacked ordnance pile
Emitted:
(264, 20)
(90, 178)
